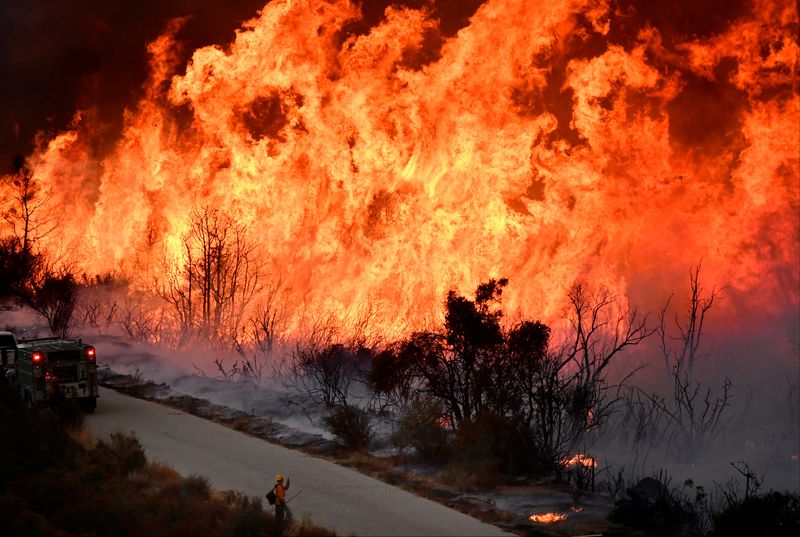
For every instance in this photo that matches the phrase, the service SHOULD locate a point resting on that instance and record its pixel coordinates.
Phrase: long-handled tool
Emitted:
(295, 496)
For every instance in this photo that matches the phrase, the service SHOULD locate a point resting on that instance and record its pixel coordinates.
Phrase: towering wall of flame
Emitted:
(545, 141)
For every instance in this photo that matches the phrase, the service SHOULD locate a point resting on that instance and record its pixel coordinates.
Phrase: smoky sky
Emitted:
(59, 56)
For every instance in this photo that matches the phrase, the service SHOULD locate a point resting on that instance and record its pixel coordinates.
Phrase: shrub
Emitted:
(18, 519)
(195, 487)
(350, 425)
(247, 517)
(391, 378)
(771, 514)
(17, 265)
(325, 372)
(54, 296)
(31, 441)
(68, 410)
(122, 452)
(306, 528)
(420, 427)
(494, 443)
(652, 507)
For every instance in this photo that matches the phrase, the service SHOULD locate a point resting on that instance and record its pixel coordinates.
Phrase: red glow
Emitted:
(90, 353)
(36, 357)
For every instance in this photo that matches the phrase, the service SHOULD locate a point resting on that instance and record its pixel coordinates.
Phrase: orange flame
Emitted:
(580, 459)
(371, 173)
(548, 518)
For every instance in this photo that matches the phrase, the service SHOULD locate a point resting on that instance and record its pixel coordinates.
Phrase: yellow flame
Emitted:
(369, 179)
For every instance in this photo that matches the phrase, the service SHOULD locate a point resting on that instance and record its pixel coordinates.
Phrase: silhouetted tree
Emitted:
(544, 398)
(24, 214)
(462, 367)
(16, 266)
(215, 279)
(53, 296)
(325, 373)
(694, 411)
(392, 379)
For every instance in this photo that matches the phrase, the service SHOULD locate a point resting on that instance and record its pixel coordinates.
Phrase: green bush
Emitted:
(350, 425)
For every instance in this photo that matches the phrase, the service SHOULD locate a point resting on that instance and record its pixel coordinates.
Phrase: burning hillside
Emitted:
(385, 161)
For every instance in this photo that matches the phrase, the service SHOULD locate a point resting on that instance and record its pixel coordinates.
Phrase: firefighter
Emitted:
(281, 515)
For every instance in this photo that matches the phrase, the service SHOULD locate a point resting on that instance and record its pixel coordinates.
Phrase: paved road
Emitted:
(332, 496)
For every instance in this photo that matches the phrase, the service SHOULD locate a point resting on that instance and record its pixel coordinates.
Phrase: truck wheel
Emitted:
(89, 405)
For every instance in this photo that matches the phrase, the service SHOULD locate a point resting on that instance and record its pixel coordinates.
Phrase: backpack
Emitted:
(271, 496)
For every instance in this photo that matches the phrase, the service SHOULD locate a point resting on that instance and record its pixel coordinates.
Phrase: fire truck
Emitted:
(41, 368)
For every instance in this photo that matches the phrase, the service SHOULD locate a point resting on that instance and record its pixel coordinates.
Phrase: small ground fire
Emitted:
(548, 518)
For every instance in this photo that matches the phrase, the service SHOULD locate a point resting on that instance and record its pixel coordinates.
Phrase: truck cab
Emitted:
(44, 367)
(8, 354)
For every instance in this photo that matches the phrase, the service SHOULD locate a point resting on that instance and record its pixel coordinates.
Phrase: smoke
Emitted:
(62, 56)
(59, 57)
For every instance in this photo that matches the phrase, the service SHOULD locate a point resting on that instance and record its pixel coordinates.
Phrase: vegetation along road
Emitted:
(332, 496)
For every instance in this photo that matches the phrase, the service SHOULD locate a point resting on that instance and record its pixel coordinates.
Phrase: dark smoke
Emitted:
(58, 57)
(61, 56)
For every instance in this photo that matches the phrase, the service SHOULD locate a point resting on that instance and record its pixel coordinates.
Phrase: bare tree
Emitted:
(564, 389)
(53, 296)
(601, 330)
(694, 412)
(325, 373)
(690, 328)
(140, 321)
(216, 278)
(96, 313)
(266, 326)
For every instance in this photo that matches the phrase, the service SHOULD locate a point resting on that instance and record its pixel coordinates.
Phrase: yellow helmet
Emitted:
(279, 477)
